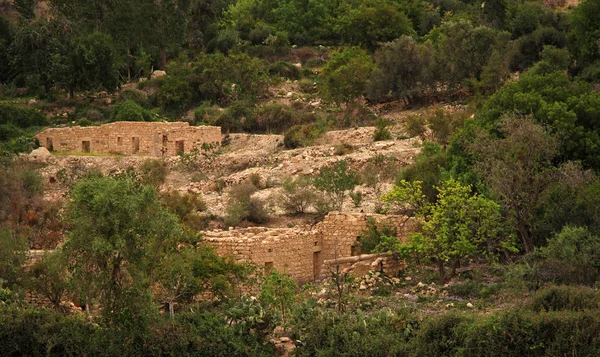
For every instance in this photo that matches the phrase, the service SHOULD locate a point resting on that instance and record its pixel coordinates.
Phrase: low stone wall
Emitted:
(302, 252)
(131, 138)
(285, 249)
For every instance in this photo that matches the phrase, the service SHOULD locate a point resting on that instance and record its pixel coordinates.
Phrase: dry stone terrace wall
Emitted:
(302, 252)
(285, 249)
(131, 138)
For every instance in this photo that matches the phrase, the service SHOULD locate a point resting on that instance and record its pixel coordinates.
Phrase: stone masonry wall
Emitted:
(302, 252)
(130, 138)
(285, 249)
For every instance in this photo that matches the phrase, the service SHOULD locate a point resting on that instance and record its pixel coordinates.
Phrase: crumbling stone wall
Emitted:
(302, 252)
(131, 138)
(285, 249)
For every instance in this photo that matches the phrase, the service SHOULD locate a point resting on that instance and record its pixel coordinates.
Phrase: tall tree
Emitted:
(119, 234)
(518, 168)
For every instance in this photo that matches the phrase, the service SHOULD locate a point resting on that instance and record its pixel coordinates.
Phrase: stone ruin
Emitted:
(132, 138)
(310, 254)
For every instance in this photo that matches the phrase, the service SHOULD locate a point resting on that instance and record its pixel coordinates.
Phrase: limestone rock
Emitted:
(41, 155)
(158, 74)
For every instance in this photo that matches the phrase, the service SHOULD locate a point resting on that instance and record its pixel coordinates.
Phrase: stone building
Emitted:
(306, 254)
(131, 138)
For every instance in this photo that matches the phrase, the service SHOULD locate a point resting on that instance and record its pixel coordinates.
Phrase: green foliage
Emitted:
(297, 195)
(382, 132)
(565, 106)
(119, 231)
(285, 70)
(585, 32)
(302, 135)
(426, 168)
(370, 22)
(560, 298)
(373, 235)
(86, 62)
(13, 254)
(335, 180)
(49, 277)
(464, 50)
(570, 257)
(20, 117)
(278, 290)
(404, 70)
(184, 274)
(552, 59)
(154, 172)
(226, 79)
(345, 75)
(457, 226)
(129, 111)
(242, 206)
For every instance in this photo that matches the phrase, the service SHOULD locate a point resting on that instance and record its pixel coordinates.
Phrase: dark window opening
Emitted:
(179, 147)
(135, 144)
(85, 146)
(49, 144)
(268, 267)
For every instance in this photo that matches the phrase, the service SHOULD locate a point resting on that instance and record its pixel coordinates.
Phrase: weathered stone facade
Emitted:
(131, 138)
(305, 254)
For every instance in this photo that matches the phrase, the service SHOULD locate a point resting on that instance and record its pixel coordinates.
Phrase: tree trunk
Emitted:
(163, 58)
(526, 237)
(171, 310)
(441, 270)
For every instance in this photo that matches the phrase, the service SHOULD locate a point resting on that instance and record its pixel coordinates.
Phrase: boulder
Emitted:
(41, 155)
(158, 74)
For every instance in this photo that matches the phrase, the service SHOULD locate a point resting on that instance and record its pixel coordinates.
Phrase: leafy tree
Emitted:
(370, 22)
(552, 59)
(404, 70)
(278, 290)
(33, 48)
(25, 8)
(226, 79)
(464, 50)
(6, 38)
(119, 234)
(345, 75)
(572, 255)
(457, 226)
(518, 168)
(566, 106)
(49, 277)
(336, 179)
(584, 36)
(13, 254)
(85, 63)
(182, 275)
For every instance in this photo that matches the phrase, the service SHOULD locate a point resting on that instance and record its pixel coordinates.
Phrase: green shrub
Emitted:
(298, 195)
(134, 95)
(285, 70)
(242, 206)
(129, 111)
(206, 113)
(415, 126)
(22, 118)
(154, 171)
(381, 132)
(571, 257)
(234, 118)
(371, 235)
(302, 135)
(558, 298)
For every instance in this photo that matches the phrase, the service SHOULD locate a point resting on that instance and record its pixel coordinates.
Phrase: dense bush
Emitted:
(20, 117)
(302, 135)
(129, 111)
(285, 70)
